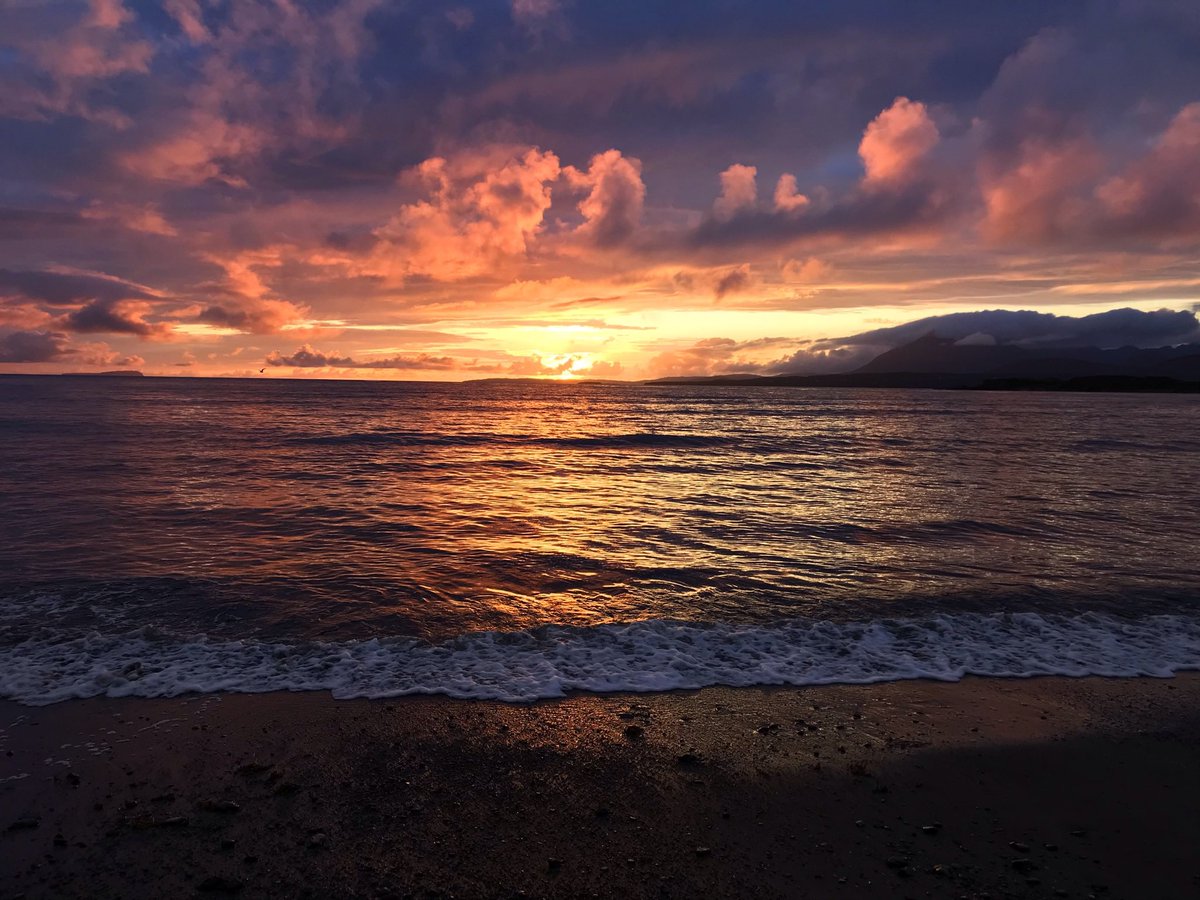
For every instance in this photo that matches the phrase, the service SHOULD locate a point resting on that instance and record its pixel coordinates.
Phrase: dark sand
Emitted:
(987, 788)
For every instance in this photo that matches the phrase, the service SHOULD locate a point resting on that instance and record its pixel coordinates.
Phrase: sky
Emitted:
(547, 188)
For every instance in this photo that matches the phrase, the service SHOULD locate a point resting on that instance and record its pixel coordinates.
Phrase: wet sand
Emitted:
(987, 788)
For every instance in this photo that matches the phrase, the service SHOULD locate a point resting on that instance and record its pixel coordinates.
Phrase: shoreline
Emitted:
(1000, 787)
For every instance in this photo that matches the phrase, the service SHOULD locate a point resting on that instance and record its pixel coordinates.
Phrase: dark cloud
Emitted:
(308, 357)
(924, 205)
(32, 346)
(27, 224)
(733, 281)
(111, 317)
(1114, 328)
(66, 288)
(250, 315)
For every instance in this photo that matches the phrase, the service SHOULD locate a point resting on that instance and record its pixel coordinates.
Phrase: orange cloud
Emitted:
(481, 212)
(612, 210)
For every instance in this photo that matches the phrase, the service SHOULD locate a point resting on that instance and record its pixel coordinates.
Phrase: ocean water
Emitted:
(519, 540)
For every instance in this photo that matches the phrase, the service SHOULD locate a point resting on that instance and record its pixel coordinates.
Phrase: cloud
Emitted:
(530, 366)
(68, 61)
(739, 192)
(806, 270)
(1113, 328)
(32, 346)
(55, 346)
(202, 146)
(481, 210)
(146, 218)
(898, 193)
(896, 143)
(81, 301)
(540, 17)
(114, 316)
(254, 315)
(813, 360)
(787, 197)
(735, 280)
(718, 355)
(103, 355)
(612, 210)
(1035, 196)
(524, 10)
(308, 357)
(1159, 194)
(60, 288)
(254, 85)
(250, 303)
(190, 18)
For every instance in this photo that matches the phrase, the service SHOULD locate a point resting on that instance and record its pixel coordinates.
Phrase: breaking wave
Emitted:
(654, 655)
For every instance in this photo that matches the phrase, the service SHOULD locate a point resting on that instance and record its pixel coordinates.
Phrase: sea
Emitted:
(513, 541)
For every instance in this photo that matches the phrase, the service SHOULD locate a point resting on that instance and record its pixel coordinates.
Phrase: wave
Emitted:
(654, 655)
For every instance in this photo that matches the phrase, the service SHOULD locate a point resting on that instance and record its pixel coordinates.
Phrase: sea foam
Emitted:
(642, 656)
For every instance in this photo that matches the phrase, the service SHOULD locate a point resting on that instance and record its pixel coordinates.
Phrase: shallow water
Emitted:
(304, 516)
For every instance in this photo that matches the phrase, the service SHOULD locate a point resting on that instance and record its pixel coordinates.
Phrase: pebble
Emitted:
(25, 822)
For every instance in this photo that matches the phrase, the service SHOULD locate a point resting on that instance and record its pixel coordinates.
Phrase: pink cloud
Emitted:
(197, 150)
(1034, 194)
(1160, 193)
(739, 191)
(787, 197)
(896, 142)
(190, 19)
(146, 218)
(73, 61)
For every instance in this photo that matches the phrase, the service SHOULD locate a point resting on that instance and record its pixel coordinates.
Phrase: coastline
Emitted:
(986, 787)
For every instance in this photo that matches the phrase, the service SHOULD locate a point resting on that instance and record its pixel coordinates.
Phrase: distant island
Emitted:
(116, 373)
(933, 361)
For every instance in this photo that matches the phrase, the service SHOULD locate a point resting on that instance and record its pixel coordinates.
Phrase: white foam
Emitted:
(642, 656)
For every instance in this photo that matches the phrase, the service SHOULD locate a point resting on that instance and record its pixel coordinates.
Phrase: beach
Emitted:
(984, 788)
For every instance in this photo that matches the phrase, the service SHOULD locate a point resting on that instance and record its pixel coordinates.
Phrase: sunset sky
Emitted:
(434, 190)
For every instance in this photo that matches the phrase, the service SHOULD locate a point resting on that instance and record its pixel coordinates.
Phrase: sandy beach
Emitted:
(985, 788)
